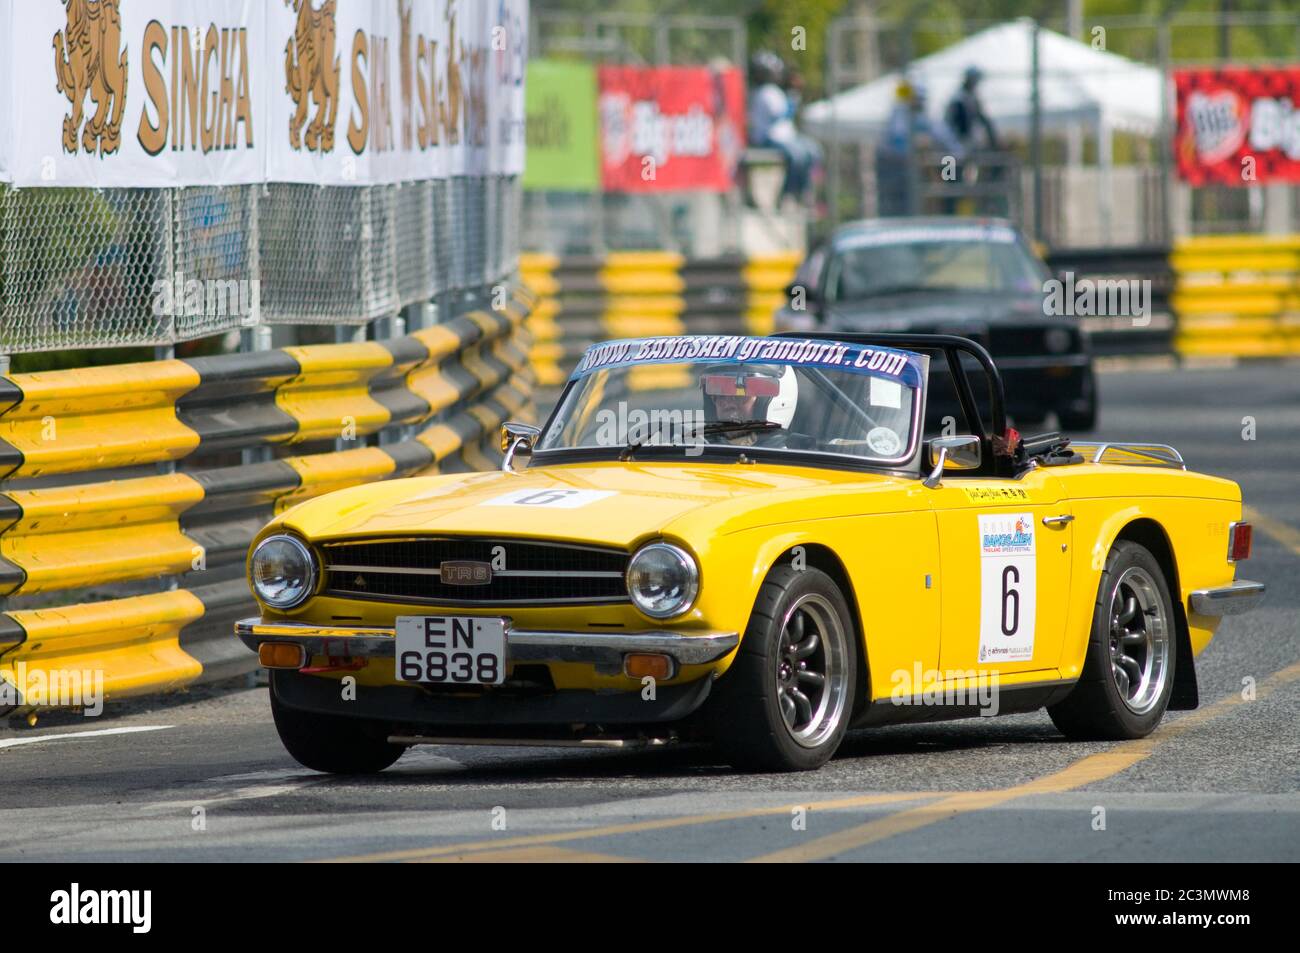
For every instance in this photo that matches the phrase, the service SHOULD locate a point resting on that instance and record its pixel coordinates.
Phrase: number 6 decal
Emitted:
(1010, 598)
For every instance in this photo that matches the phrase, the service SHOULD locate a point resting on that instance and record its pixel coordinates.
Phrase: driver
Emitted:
(764, 395)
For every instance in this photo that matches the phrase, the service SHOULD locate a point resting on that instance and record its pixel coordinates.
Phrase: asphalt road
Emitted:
(202, 777)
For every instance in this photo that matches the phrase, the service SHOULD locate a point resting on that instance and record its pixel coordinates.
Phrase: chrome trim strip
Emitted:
(598, 648)
(1241, 596)
(405, 571)
(484, 603)
(511, 540)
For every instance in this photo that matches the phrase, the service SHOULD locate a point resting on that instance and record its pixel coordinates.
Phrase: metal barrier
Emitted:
(1237, 295)
(433, 399)
(629, 294)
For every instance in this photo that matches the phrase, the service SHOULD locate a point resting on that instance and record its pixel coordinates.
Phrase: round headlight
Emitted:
(282, 572)
(1057, 340)
(662, 580)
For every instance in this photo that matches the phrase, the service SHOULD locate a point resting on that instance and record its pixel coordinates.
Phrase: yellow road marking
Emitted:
(635, 827)
(1279, 532)
(1087, 770)
(532, 855)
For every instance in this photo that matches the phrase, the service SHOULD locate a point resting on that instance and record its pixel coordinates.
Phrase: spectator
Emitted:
(771, 123)
(971, 125)
(965, 113)
(909, 133)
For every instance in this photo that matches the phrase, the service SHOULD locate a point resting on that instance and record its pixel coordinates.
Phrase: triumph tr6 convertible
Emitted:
(756, 542)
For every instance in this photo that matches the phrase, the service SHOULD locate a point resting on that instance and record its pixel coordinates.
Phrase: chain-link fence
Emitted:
(84, 268)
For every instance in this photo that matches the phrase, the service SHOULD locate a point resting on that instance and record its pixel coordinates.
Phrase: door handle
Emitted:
(1058, 520)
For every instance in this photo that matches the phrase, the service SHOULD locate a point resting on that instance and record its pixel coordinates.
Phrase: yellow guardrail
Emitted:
(453, 385)
(1237, 295)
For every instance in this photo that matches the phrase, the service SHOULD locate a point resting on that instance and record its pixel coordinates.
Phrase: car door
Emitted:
(1004, 554)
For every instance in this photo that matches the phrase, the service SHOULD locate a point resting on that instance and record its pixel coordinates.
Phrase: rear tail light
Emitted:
(1239, 536)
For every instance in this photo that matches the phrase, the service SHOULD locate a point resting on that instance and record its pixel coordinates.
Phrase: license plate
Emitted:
(451, 650)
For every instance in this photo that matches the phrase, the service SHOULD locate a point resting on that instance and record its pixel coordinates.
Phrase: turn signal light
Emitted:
(281, 655)
(658, 667)
(1239, 537)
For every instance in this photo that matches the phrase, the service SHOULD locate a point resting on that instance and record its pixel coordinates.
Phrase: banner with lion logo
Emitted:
(160, 93)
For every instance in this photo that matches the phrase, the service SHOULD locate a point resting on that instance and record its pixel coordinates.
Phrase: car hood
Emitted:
(612, 503)
(946, 311)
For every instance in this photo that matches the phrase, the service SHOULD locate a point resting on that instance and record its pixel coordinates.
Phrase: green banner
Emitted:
(560, 104)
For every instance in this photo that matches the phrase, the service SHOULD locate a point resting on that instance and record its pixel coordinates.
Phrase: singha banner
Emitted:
(670, 128)
(1238, 126)
(157, 93)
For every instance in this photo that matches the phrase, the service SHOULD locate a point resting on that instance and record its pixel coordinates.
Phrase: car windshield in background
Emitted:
(783, 396)
(888, 261)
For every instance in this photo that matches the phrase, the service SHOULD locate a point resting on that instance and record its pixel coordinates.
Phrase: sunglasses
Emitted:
(726, 385)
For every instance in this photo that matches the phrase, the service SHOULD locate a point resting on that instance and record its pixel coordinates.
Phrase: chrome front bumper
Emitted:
(605, 650)
(1241, 596)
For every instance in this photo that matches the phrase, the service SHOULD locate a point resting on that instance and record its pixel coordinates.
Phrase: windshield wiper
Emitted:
(740, 426)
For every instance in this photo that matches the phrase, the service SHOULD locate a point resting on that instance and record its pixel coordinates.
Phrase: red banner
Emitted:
(1238, 126)
(670, 128)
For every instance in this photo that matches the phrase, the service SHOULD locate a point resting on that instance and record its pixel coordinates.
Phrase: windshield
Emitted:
(898, 261)
(782, 397)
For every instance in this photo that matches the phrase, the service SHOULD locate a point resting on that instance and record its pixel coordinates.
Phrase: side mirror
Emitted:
(517, 438)
(952, 453)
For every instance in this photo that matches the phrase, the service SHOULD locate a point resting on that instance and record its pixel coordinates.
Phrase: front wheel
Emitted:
(1128, 673)
(332, 743)
(784, 704)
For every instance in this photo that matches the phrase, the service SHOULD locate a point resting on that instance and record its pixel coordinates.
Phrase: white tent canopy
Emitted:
(1078, 85)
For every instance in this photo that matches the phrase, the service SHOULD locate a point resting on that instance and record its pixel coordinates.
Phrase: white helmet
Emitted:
(780, 410)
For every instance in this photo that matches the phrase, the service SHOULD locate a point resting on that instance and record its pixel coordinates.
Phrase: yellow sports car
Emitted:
(759, 542)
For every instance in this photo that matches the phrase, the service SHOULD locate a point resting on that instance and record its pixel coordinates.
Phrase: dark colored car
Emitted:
(977, 278)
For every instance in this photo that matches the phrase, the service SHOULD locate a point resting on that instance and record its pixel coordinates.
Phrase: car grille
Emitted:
(409, 570)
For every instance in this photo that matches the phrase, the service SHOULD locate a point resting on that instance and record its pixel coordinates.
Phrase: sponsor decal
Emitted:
(884, 442)
(856, 358)
(997, 494)
(1008, 587)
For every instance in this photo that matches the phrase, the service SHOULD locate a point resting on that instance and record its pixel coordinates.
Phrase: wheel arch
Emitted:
(1149, 534)
(822, 557)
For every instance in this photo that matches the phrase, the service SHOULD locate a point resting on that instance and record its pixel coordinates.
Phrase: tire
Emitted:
(333, 743)
(1133, 616)
(756, 718)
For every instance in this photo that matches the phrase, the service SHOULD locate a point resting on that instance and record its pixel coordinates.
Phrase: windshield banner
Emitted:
(905, 366)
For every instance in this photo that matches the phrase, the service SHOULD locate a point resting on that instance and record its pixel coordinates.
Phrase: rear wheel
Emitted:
(1128, 673)
(333, 743)
(784, 704)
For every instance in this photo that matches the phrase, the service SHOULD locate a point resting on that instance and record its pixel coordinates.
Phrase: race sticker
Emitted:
(555, 499)
(884, 442)
(1007, 587)
(886, 393)
(997, 494)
